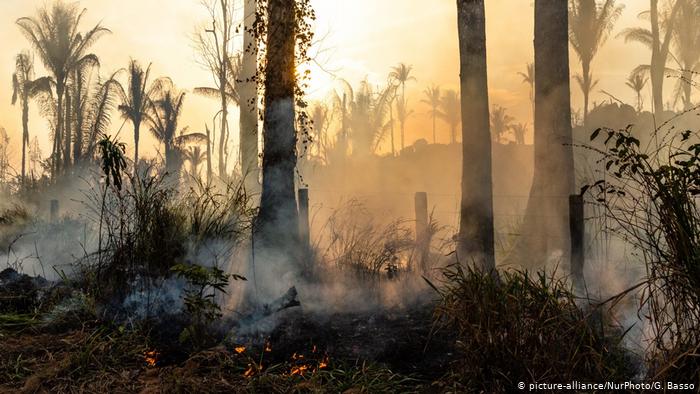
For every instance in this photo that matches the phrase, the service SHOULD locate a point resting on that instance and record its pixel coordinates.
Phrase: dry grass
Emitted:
(512, 327)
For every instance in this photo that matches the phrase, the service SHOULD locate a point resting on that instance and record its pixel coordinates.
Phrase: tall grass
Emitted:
(514, 327)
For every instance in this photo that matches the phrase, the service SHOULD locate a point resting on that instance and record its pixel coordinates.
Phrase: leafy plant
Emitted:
(651, 196)
(200, 302)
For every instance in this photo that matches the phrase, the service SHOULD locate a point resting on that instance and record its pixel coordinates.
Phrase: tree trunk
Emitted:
(391, 122)
(25, 133)
(277, 224)
(545, 229)
(67, 134)
(137, 134)
(249, 101)
(78, 140)
(209, 143)
(223, 70)
(58, 134)
(586, 66)
(434, 134)
(475, 240)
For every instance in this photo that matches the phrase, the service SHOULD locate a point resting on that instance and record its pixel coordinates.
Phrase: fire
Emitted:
(323, 363)
(268, 346)
(239, 349)
(299, 370)
(151, 358)
(250, 371)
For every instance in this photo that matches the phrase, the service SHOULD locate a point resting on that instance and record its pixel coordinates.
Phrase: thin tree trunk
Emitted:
(137, 134)
(475, 240)
(586, 65)
(209, 144)
(25, 133)
(391, 121)
(249, 101)
(434, 133)
(545, 229)
(67, 134)
(58, 135)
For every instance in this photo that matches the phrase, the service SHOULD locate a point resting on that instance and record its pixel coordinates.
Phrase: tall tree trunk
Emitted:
(277, 225)
(223, 73)
(434, 133)
(659, 54)
(137, 135)
(67, 134)
(209, 143)
(586, 66)
(249, 101)
(391, 122)
(545, 229)
(475, 241)
(25, 132)
(58, 134)
(78, 140)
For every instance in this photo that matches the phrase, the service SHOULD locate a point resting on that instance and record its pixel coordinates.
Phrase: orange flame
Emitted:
(250, 371)
(299, 370)
(151, 358)
(268, 346)
(239, 349)
(323, 363)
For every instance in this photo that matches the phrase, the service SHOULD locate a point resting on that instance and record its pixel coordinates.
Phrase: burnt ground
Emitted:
(400, 339)
(305, 352)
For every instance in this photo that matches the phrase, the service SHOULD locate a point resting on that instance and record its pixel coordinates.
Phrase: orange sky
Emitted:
(364, 38)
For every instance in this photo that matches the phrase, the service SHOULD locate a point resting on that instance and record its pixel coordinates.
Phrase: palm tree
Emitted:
(367, 114)
(637, 82)
(164, 112)
(476, 236)
(195, 156)
(686, 49)
(432, 99)
(519, 131)
(135, 101)
(24, 88)
(451, 112)
(529, 78)
(658, 39)
(589, 26)
(55, 36)
(500, 122)
(401, 74)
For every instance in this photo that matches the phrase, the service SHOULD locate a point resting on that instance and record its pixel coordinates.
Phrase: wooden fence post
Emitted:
(422, 234)
(576, 227)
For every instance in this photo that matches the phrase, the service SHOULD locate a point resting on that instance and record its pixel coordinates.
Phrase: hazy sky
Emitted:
(363, 38)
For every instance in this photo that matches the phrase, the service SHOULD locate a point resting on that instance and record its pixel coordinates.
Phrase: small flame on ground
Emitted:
(239, 349)
(323, 363)
(268, 346)
(299, 370)
(250, 371)
(151, 358)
